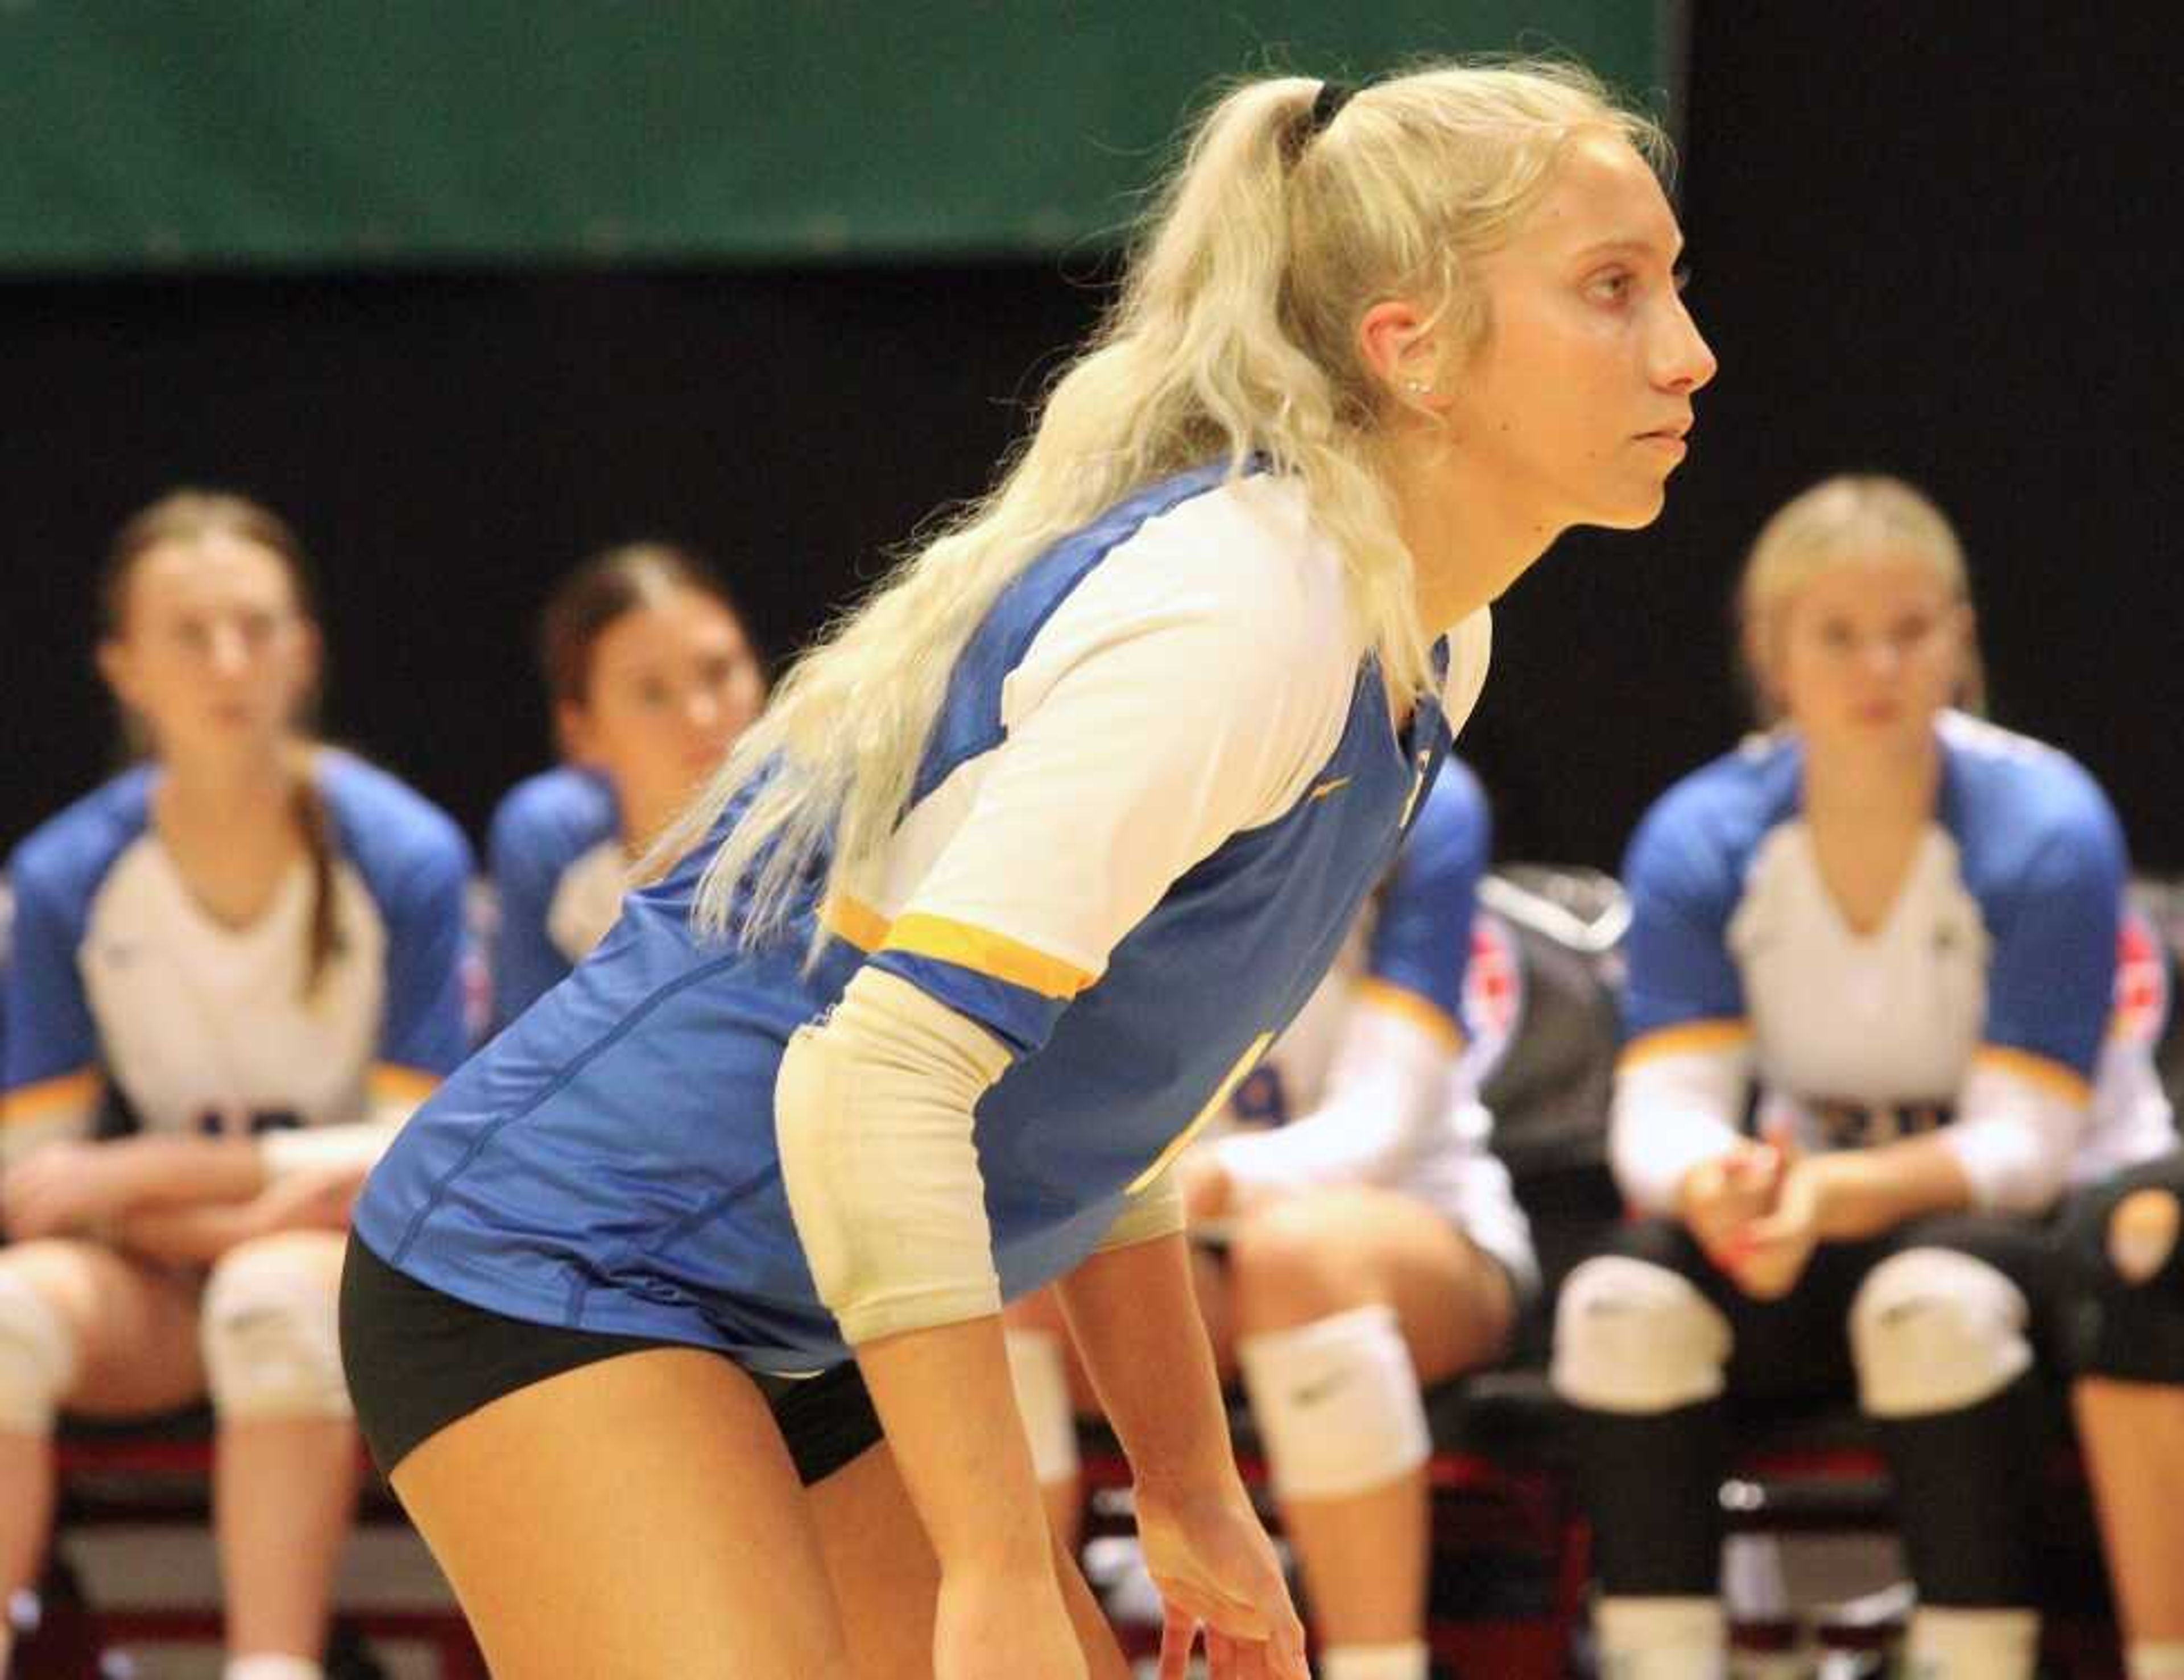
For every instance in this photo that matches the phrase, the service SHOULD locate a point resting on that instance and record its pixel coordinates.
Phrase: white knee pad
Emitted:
(1040, 1371)
(272, 1349)
(38, 1357)
(1337, 1404)
(1934, 1331)
(1635, 1337)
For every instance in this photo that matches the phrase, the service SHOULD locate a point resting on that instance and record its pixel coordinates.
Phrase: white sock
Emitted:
(271, 1665)
(2149, 1659)
(1660, 1638)
(1973, 1644)
(1405, 1661)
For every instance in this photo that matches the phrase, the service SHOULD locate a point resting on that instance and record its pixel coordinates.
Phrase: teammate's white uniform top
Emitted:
(1982, 1005)
(558, 874)
(1377, 1081)
(122, 992)
(1163, 778)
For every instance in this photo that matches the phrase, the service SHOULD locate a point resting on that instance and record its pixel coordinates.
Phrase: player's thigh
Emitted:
(887, 1580)
(1324, 1251)
(638, 1516)
(133, 1324)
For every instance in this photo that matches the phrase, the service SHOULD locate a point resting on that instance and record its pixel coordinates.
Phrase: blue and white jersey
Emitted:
(1377, 1080)
(1164, 777)
(1989, 988)
(558, 874)
(123, 993)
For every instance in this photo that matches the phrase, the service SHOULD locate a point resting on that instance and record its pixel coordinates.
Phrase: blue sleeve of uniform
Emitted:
(423, 1028)
(527, 963)
(50, 1030)
(1684, 884)
(2051, 972)
(1421, 941)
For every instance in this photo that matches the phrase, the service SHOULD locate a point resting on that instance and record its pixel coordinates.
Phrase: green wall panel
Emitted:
(258, 133)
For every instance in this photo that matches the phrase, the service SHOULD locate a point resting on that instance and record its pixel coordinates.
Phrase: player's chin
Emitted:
(1634, 510)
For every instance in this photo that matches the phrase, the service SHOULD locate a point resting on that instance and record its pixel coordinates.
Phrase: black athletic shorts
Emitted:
(418, 1360)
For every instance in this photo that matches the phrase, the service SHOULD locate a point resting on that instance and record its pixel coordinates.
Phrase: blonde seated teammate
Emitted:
(235, 967)
(1363, 1242)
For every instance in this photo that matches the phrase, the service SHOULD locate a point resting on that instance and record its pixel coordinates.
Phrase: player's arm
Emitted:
(1681, 1080)
(1135, 1319)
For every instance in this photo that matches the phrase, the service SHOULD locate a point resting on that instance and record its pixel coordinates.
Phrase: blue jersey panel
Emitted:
(55, 875)
(1684, 872)
(543, 824)
(416, 864)
(1422, 941)
(2042, 855)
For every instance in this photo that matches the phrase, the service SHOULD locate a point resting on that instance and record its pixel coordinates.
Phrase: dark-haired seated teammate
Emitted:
(1369, 1241)
(236, 967)
(1900, 926)
(676, 1314)
(652, 677)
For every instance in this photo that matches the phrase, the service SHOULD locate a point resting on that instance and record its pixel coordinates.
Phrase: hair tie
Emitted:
(1327, 105)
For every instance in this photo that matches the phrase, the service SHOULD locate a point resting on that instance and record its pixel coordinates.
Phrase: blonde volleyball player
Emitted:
(1900, 926)
(1368, 1242)
(652, 675)
(676, 1314)
(234, 966)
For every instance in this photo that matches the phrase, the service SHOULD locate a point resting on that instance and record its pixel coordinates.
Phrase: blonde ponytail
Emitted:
(1232, 337)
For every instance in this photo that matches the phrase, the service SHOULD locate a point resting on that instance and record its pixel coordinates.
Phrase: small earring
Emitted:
(1417, 388)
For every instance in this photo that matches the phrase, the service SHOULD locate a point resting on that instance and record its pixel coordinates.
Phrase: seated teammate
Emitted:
(1899, 925)
(652, 675)
(1368, 1242)
(235, 967)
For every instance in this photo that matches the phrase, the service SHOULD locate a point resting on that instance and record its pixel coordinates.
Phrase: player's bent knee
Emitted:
(2141, 1234)
(1935, 1331)
(39, 1358)
(272, 1349)
(1337, 1404)
(1039, 1367)
(1634, 1337)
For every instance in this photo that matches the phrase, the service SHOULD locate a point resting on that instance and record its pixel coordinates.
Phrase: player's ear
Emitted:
(573, 729)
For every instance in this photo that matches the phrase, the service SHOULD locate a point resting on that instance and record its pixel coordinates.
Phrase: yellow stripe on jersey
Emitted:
(2052, 1076)
(77, 1091)
(392, 1082)
(1219, 1102)
(982, 952)
(1693, 1038)
(860, 925)
(1414, 1007)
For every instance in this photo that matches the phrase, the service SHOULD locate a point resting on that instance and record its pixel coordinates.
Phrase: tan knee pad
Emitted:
(1634, 1337)
(1935, 1331)
(38, 1358)
(271, 1346)
(1039, 1367)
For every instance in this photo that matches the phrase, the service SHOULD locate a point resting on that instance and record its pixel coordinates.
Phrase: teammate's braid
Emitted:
(322, 933)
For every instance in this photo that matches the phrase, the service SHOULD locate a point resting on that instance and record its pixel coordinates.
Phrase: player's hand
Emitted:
(1209, 1555)
(63, 1189)
(1772, 1252)
(1719, 1199)
(312, 1199)
(995, 1625)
